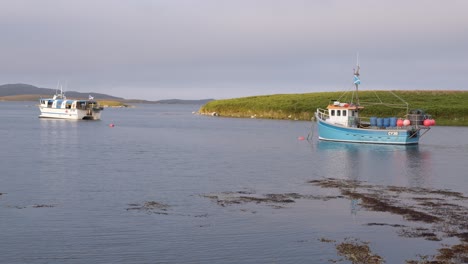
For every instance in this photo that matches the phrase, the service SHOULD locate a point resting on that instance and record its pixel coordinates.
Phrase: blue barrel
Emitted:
(386, 122)
(373, 121)
(393, 121)
(380, 122)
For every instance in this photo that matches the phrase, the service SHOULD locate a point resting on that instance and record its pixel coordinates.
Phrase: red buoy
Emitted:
(111, 125)
(301, 138)
(406, 122)
(427, 122)
(399, 122)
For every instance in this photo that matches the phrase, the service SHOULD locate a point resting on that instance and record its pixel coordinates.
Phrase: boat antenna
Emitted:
(66, 88)
(56, 88)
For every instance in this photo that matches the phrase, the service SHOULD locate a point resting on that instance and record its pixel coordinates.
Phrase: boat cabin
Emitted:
(68, 104)
(343, 114)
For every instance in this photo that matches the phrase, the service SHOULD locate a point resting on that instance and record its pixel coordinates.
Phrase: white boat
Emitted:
(60, 107)
(342, 122)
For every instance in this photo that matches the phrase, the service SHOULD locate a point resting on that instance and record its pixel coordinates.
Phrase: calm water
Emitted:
(67, 187)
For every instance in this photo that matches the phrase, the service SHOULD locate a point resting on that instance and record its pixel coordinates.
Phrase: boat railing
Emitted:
(364, 119)
(91, 105)
(354, 121)
(95, 106)
(322, 114)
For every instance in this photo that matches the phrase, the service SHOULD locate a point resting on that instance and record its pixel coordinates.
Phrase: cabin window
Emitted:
(338, 112)
(333, 112)
(81, 105)
(344, 112)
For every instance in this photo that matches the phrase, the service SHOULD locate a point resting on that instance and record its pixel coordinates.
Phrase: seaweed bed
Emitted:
(355, 251)
(442, 212)
(150, 207)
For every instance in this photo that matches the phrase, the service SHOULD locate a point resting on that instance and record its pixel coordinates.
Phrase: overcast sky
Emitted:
(194, 49)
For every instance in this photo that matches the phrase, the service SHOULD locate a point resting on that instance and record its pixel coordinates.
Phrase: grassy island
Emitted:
(446, 107)
(108, 103)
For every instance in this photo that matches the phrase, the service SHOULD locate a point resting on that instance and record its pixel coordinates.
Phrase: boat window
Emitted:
(338, 112)
(344, 112)
(333, 112)
(81, 105)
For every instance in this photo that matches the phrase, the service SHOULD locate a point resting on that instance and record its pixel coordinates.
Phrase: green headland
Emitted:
(448, 108)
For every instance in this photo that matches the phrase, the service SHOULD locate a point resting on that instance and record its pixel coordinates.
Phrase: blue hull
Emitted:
(332, 132)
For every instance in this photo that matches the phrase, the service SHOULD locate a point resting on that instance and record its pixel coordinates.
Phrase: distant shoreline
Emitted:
(111, 102)
(27, 92)
(33, 98)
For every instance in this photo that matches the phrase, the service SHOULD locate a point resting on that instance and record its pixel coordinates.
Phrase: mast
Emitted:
(356, 80)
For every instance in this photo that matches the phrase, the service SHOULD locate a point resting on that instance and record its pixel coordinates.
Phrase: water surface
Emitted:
(69, 188)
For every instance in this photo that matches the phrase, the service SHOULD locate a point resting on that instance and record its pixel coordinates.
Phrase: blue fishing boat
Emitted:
(342, 122)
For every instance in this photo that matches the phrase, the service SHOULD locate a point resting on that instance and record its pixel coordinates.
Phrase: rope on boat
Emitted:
(376, 95)
(406, 103)
(420, 136)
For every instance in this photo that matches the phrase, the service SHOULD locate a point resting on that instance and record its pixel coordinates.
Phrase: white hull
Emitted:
(74, 114)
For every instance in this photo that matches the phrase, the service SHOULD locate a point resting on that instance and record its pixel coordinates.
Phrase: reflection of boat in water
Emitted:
(61, 108)
(387, 164)
(342, 122)
(340, 146)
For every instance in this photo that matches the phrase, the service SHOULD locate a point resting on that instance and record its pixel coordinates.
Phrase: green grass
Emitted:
(109, 103)
(446, 107)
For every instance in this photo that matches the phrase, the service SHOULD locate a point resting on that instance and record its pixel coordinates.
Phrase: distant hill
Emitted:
(27, 91)
(168, 101)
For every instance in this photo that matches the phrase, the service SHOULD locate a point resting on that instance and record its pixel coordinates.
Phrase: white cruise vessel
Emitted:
(60, 107)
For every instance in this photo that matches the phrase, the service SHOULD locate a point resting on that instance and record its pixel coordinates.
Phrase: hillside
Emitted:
(26, 92)
(447, 107)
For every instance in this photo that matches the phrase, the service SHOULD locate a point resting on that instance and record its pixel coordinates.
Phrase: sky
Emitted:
(198, 49)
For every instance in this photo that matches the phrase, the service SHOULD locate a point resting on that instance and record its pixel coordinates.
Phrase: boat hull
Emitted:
(331, 132)
(73, 114)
